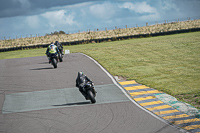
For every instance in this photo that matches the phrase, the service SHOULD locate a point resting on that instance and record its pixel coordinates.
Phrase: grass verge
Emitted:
(167, 63)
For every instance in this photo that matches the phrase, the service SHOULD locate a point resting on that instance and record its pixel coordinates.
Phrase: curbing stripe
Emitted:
(195, 130)
(155, 105)
(139, 90)
(144, 92)
(159, 107)
(148, 101)
(182, 118)
(130, 85)
(190, 124)
(166, 112)
(191, 127)
(166, 109)
(187, 121)
(128, 82)
(144, 96)
(136, 87)
(175, 116)
(171, 114)
(151, 103)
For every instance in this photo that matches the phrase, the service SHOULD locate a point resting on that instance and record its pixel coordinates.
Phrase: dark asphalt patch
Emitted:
(48, 99)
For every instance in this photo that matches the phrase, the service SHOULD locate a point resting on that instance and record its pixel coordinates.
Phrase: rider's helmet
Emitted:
(52, 44)
(56, 43)
(81, 73)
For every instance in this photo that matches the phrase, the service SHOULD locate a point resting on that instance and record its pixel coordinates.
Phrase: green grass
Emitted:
(23, 53)
(167, 63)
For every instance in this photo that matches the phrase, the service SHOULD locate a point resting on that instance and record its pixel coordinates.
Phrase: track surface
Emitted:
(34, 75)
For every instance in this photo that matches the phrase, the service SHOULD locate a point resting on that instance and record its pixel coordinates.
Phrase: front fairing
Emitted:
(88, 87)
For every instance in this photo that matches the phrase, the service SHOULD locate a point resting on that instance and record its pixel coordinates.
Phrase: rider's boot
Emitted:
(49, 60)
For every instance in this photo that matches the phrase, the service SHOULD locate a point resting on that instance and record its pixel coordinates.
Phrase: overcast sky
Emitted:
(26, 17)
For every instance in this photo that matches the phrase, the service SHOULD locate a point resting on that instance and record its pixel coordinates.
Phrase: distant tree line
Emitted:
(56, 33)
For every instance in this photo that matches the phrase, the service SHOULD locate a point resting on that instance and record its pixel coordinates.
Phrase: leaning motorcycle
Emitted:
(54, 59)
(90, 92)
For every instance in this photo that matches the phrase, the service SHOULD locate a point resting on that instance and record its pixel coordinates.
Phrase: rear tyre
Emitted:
(54, 62)
(60, 57)
(91, 96)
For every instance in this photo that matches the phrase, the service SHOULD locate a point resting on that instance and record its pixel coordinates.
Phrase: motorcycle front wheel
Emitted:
(91, 96)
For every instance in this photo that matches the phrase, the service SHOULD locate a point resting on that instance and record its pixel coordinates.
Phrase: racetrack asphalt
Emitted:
(35, 97)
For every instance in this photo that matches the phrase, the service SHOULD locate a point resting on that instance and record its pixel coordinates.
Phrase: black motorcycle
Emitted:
(54, 59)
(90, 92)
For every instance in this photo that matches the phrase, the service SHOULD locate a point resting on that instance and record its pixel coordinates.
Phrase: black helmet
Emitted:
(56, 43)
(80, 73)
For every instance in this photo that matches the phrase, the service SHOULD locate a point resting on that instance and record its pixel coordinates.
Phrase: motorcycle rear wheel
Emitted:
(60, 57)
(54, 62)
(91, 96)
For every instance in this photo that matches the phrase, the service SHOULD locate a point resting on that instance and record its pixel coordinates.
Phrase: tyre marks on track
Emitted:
(144, 96)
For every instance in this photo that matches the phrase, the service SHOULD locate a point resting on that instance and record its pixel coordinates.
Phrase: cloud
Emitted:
(169, 5)
(103, 11)
(24, 3)
(149, 18)
(142, 7)
(142, 10)
(59, 18)
(12, 8)
(33, 21)
(168, 10)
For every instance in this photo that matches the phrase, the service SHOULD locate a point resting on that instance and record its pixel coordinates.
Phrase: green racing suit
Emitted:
(52, 49)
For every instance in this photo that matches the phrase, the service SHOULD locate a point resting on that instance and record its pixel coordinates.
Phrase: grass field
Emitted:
(167, 63)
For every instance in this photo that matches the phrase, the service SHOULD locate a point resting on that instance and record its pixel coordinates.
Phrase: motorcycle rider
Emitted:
(51, 49)
(81, 81)
(60, 47)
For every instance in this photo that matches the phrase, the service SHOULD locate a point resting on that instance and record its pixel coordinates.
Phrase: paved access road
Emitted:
(35, 98)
